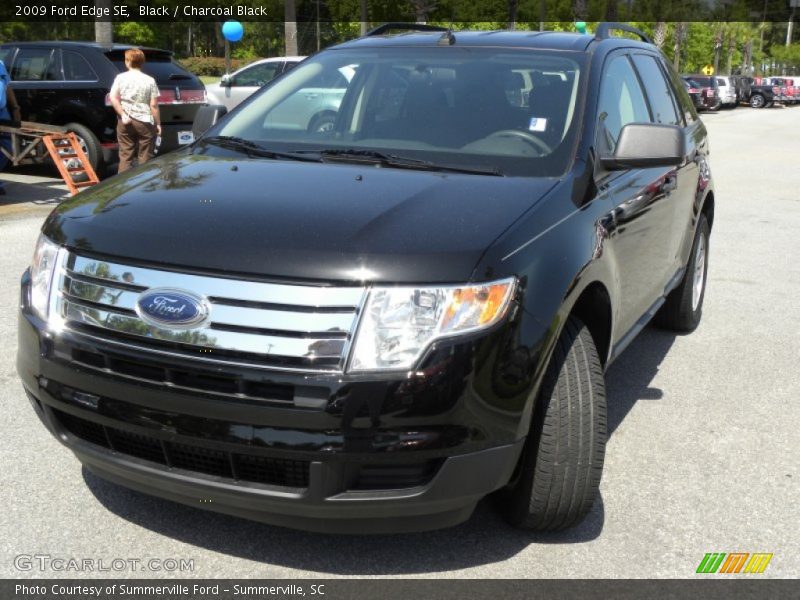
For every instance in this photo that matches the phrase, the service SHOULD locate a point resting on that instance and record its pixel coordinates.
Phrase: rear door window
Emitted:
(76, 68)
(680, 92)
(658, 90)
(621, 102)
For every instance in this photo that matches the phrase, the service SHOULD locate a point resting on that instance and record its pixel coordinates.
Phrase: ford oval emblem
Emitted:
(171, 308)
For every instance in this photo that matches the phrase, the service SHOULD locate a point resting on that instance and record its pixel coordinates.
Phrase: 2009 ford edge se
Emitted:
(370, 326)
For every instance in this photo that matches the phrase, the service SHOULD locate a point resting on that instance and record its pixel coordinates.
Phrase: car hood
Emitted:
(295, 220)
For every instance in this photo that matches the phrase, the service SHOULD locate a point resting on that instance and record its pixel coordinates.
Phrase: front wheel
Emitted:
(558, 477)
(757, 101)
(684, 305)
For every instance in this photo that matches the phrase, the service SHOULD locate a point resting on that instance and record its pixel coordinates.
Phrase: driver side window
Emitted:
(621, 102)
(256, 76)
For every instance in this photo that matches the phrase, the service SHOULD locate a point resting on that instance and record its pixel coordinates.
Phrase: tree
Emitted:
(364, 16)
(290, 27)
(103, 29)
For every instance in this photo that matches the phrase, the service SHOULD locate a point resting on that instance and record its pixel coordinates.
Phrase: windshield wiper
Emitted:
(393, 160)
(253, 149)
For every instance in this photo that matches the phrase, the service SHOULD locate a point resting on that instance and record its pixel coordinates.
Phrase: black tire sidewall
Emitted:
(95, 151)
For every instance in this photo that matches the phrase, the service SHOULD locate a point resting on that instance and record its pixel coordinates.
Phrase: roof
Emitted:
(104, 47)
(544, 40)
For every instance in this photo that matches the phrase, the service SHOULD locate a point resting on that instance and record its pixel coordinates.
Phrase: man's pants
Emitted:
(137, 140)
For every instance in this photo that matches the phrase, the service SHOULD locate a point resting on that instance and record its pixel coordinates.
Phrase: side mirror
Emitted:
(225, 81)
(644, 145)
(206, 117)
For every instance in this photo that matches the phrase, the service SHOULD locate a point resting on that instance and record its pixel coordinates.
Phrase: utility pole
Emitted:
(794, 4)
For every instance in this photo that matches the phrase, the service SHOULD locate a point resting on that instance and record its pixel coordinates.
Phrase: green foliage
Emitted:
(134, 32)
(212, 66)
(787, 55)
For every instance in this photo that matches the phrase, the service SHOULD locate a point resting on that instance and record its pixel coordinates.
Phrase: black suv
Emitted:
(67, 83)
(371, 327)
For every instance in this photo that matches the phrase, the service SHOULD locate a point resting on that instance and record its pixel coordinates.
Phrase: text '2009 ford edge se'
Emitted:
(370, 326)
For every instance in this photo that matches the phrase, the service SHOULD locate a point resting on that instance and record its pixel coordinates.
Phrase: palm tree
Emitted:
(660, 34)
(290, 27)
(103, 30)
(362, 5)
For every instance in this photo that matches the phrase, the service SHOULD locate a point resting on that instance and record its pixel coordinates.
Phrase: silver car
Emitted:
(727, 91)
(239, 85)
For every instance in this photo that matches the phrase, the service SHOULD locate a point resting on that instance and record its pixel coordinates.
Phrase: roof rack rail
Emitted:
(386, 27)
(604, 31)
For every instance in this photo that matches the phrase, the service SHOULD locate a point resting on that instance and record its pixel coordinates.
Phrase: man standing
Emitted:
(9, 110)
(134, 96)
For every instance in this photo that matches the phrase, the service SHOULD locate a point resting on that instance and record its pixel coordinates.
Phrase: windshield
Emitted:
(511, 111)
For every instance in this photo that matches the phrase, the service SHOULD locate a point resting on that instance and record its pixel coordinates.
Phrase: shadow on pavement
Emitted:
(628, 379)
(486, 538)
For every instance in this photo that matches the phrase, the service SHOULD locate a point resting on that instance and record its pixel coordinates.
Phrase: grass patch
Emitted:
(208, 79)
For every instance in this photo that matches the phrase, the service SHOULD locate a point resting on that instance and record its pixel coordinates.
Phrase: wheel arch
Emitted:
(593, 308)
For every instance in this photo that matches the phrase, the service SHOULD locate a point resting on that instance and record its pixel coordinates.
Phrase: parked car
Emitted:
(787, 91)
(313, 108)
(68, 84)
(727, 91)
(711, 91)
(695, 91)
(763, 94)
(742, 85)
(371, 326)
(232, 89)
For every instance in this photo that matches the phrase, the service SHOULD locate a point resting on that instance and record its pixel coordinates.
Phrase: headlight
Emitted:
(399, 323)
(44, 262)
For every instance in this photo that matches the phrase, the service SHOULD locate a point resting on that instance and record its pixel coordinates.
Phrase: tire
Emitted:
(757, 101)
(684, 305)
(558, 477)
(322, 123)
(90, 144)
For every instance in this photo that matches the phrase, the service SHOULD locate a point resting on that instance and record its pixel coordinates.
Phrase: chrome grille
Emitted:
(289, 326)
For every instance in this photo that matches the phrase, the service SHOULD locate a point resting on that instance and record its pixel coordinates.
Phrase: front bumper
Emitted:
(372, 457)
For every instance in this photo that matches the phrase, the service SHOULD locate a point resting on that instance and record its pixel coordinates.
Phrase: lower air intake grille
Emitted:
(219, 463)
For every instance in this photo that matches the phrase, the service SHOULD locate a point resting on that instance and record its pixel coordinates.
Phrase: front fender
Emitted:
(557, 251)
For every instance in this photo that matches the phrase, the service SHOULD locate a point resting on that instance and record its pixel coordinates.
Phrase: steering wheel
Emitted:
(523, 135)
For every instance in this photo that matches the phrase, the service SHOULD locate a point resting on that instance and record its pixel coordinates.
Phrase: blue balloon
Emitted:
(232, 30)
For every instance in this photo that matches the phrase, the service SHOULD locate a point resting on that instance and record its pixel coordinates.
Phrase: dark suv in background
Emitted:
(67, 83)
(370, 327)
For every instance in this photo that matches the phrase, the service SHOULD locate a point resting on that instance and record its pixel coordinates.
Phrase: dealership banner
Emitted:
(391, 589)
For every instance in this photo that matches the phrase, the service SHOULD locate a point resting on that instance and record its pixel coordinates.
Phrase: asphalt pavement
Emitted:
(702, 456)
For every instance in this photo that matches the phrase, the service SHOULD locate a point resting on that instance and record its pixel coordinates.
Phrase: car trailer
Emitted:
(30, 142)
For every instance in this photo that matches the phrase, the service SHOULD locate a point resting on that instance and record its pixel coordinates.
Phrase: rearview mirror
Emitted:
(225, 81)
(206, 117)
(644, 145)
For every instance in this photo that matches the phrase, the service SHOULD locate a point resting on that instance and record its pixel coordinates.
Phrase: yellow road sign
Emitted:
(708, 70)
